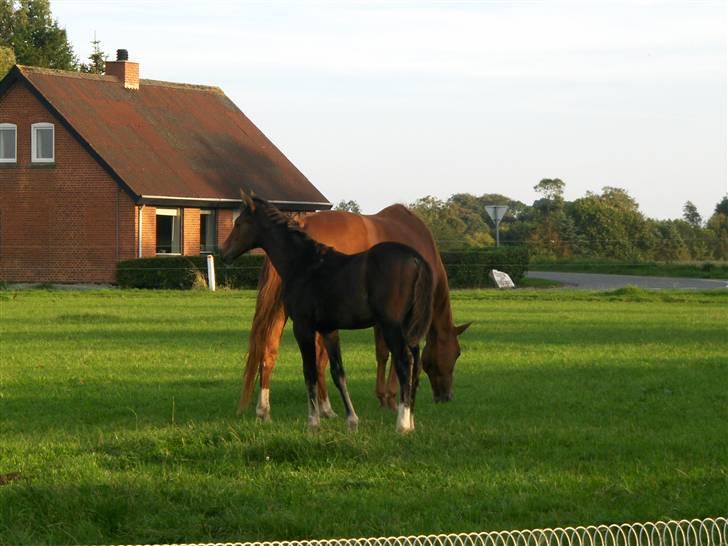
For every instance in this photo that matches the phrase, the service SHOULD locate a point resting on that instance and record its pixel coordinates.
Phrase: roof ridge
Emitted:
(103, 77)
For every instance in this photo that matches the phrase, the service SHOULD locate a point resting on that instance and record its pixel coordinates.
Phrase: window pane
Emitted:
(7, 143)
(168, 231)
(164, 234)
(207, 231)
(44, 143)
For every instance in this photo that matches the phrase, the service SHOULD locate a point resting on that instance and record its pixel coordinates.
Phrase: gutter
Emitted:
(228, 203)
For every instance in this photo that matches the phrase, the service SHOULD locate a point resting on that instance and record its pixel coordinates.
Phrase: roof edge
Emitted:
(213, 202)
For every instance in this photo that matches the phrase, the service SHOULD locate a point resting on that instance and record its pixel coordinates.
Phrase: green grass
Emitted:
(700, 270)
(117, 411)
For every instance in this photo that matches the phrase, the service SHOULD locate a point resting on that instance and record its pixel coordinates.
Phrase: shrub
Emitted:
(470, 268)
(185, 272)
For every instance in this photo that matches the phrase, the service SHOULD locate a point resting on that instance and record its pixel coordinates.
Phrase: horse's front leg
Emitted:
(306, 338)
(322, 360)
(331, 341)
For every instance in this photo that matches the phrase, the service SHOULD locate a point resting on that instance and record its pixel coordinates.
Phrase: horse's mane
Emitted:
(277, 218)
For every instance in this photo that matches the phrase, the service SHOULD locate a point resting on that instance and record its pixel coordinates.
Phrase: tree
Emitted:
(691, 214)
(97, 64)
(718, 226)
(722, 207)
(551, 188)
(348, 206)
(7, 60)
(28, 28)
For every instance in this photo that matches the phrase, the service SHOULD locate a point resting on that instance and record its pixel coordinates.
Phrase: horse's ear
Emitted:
(247, 201)
(460, 329)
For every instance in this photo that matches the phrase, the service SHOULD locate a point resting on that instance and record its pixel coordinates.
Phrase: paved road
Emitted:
(596, 281)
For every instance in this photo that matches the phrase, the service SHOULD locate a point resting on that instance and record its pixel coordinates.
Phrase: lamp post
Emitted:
(496, 213)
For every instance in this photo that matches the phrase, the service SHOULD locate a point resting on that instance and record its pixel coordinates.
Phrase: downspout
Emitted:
(141, 210)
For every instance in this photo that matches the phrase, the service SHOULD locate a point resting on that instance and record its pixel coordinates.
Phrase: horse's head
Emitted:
(244, 235)
(438, 359)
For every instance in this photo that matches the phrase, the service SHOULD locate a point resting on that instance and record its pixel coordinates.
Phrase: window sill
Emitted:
(168, 254)
(42, 165)
(8, 164)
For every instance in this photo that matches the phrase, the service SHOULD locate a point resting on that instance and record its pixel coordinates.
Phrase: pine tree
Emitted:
(97, 64)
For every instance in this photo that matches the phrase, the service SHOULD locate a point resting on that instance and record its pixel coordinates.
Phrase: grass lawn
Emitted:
(117, 421)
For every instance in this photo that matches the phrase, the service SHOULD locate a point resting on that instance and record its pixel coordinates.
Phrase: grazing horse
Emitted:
(390, 286)
(351, 233)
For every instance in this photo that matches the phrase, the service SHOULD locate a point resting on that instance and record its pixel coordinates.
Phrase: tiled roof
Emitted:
(169, 140)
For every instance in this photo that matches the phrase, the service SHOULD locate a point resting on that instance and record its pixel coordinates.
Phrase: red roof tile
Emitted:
(173, 140)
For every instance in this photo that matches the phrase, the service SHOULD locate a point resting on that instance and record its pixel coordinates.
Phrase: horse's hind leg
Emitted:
(384, 391)
(331, 341)
(403, 362)
(322, 360)
(270, 356)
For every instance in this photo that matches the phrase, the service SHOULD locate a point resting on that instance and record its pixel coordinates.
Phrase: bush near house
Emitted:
(465, 269)
(185, 272)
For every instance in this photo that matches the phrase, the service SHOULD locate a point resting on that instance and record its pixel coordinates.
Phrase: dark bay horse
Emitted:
(351, 233)
(390, 286)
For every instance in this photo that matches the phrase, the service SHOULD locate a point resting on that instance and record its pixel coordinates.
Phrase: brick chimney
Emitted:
(126, 71)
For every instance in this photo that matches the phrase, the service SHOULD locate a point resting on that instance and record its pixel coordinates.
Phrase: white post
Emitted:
(211, 272)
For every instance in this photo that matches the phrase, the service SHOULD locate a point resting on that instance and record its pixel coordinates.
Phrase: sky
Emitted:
(385, 102)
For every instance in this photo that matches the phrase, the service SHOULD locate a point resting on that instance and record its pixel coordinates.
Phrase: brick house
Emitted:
(97, 169)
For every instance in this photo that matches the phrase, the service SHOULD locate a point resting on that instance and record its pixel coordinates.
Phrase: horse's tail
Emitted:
(421, 313)
(267, 306)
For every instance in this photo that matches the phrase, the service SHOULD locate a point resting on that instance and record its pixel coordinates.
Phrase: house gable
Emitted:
(61, 221)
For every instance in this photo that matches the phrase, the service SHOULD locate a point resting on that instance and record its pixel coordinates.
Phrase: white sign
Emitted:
(496, 212)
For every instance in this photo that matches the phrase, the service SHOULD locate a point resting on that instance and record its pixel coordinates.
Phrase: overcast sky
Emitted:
(386, 102)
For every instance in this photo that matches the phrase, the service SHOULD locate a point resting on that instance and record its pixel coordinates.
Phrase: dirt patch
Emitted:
(10, 477)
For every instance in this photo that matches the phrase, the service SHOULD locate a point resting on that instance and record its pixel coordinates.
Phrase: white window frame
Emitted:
(34, 139)
(15, 151)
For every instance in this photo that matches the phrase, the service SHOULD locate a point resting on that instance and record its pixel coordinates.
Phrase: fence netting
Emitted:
(693, 532)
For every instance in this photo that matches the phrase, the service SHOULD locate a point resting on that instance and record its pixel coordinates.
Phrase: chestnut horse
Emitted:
(389, 285)
(350, 233)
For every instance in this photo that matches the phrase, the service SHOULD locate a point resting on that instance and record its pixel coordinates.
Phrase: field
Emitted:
(117, 421)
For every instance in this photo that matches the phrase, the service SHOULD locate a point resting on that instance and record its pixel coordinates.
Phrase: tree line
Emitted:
(29, 35)
(599, 225)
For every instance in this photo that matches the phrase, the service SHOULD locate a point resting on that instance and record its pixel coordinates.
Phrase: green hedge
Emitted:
(470, 268)
(465, 269)
(187, 272)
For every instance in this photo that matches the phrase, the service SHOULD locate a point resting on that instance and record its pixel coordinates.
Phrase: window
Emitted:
(208, 228)
(42, 143)
(168, 231)
(8, 143)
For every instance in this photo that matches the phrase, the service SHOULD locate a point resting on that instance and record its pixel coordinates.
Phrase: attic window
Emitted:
(42, 143)
(8, 143)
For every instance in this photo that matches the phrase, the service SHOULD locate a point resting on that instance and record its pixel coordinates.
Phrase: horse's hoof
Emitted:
(353, 423)
(263, 416)
(325, 409)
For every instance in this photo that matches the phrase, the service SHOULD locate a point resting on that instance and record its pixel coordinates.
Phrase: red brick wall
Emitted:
(191, 232)
(224, 225)
(65, 222)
